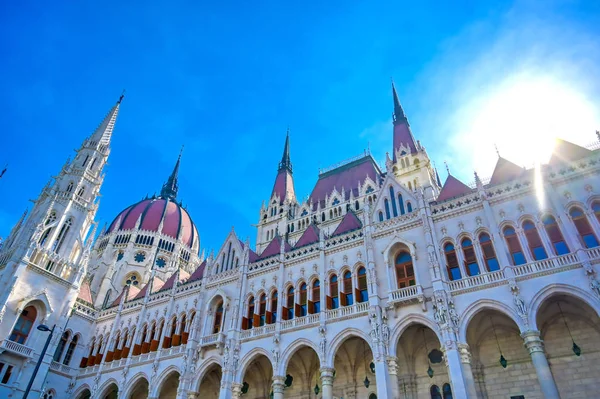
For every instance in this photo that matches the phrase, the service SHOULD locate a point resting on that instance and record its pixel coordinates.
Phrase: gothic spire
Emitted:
(104, 131)
(170, 188)
(399, 115)
(403, 137)
(286, 162)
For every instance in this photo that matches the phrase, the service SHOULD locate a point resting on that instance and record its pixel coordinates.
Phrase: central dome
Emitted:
(156, 214)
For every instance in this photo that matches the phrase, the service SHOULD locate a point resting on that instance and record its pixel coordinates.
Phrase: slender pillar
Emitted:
(455, 371)
(535, 346)
(394, 388)
(236, 390)
(382, 374)
(465, 358)
(279, 386)
(327, 383)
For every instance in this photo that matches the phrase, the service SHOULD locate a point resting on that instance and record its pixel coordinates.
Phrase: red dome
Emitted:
(175, 220)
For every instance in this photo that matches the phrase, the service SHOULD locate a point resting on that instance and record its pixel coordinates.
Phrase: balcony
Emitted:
(62, 369)
(217, 340)
(15, 348)
(348, 312)
(407, 295)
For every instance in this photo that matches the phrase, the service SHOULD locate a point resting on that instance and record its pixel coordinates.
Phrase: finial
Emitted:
(447, 167)
(497, 151)
(121, 97)
(181, 151)
(598, 134)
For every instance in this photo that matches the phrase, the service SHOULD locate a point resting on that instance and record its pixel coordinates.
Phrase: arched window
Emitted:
(356, 205)
(273, 307)
(409, 207)
(410, 186)
(405, 273)
(51, 219)
(61, 346)
(81, 192)
(289, 310)
(452, 262)
(401, 204)
(218, 320)
(596, 209)
(489, 255)
(514, 246)
(347, 297)
(182, 329)
(60, 239)
(107, 299)
(584, 228)
(70, 187)
(534, 241)
(303, 309)
(380, 216)
(70, 350)
(556, 238)
(322, 216)
(386, 203)
(470, 258)
(362, 294)
(262, 309)
(251, 312)
(314, 306)
(333, 301)
(23, 325)
(435, 392)
(393, 199)
(447, 390)
(152, 335)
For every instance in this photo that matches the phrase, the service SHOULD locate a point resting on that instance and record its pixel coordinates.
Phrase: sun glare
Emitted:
(522, 116)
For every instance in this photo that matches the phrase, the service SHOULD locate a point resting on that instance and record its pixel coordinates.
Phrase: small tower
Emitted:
(282, 204)
(410, 163)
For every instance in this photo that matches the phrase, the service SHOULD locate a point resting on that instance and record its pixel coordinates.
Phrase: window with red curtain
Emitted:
(470, 258)
(363, 294)
(348, 289)
(316, 296)
(536, 247)
(489, 254)
(452, 262)
(251, 312)
(290, 303)
(333, 292)
(405, 273)
(596, 209)
(262, 309)
(218, 317)
(514, 246)
(23, 325)
(556, 238)
(586, 234)
(303, 300)
(274, 306)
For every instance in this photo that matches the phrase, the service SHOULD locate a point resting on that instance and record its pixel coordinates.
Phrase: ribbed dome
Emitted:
(176, 222)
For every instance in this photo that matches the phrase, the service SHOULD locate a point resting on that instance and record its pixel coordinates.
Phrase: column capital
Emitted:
(192, 395)
(236, 390)
(532, 341)
(392, 362)
(465, 353)
(327, 375)
(278, 384)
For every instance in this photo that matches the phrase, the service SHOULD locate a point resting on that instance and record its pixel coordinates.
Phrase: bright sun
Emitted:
(522, 116)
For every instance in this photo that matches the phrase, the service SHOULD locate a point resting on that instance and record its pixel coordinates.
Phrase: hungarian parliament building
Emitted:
(383, 283)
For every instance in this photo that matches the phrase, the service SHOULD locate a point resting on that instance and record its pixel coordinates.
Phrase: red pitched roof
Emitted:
(85, 292)
(199, 272)
(274, 247)
(183, 276)
(310, 236)
(156, 286)
(565, 151)
(453, 188)
(403, 136)
(252, 256)
(133, 291)
(505, 171)
(284, 186)
(347, 176)
(349, 223)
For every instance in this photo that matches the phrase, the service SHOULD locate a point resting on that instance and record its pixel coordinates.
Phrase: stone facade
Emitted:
(383, 284)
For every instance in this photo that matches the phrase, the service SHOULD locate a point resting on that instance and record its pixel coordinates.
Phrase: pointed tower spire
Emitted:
(399, 115)
(103, 132)
(286, 162)
(403, 137)
(170, 188)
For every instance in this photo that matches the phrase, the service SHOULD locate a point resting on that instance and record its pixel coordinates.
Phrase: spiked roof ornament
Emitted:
(170, 188)
(104, 131)
(286, 162)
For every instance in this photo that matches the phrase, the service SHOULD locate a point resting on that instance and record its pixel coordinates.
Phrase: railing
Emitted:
(406, 293)
(209, 339)
(173, 350)
(345, 311)
(477, 281)
(594, 253)
(62, 368)
(545, 265)
(16, 348)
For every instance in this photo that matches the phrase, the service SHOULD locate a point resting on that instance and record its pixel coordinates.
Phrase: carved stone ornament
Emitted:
(595, 286)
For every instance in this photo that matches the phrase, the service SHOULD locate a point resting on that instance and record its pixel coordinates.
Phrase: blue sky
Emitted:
(227, 79)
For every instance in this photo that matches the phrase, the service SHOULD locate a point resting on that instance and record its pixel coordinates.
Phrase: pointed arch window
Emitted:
(387, 208)
(559, 245)
(405, 273)
(262, 309)
(347, 298)
(70, 187)
(452, 262)
(250, 312)
(288, 311)
(534, 241)
(218, 320)
(62, 235)
(362, 294)
(514, 246)
(489, 254)
(409, 207)
(182, 331)
(303, 308)
(401, 204)
(70, 350)
(81, 192)
(273, 308)
(333, 300)
(393, 198)
(61, 346)
(51, 219)
(582, 224)
(23, 325)
(470, 258)
(596, 209)
(314, 306)
(435, 392)
(380, 216)
(447, 391)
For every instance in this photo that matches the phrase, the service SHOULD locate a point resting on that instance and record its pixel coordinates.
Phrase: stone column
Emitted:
(382, 375)
(327, 383)
(236, 390)
(535, 346)
(279, 386)
(465, 358)
(455, 370)
(393, 376)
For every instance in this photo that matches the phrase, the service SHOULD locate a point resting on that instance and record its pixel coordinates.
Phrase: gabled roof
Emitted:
(284, 186)
(310, 236)
(453, 188)
(349, 223)
(565, 151)
(199, 272)
(505, 171)
(252, 256)
(274, 247)
(85, 292)
(347, 176)
(156, 286)
(133, 291)
(183, 276)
